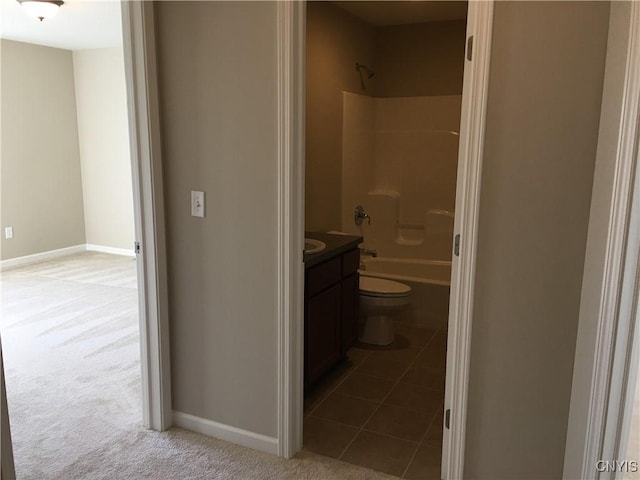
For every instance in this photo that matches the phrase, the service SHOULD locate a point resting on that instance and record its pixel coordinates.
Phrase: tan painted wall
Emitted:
(103, 130)
(540, 149)
(218, 98)
(420, 60)
(336, 40)
(40, 174)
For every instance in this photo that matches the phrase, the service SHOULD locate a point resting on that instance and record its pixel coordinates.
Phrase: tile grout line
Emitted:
(397, 383)
(351, 395)
(334, 388)
(390, 436)
(424, 435)
(406, 469)
(329, 420)
(361, 429)
(420, 444)
(382, 402)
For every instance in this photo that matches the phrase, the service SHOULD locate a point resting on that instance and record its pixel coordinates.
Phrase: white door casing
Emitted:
(144, 128)
(607, 344)
(291, 119)
(624, 357)
(471, 147)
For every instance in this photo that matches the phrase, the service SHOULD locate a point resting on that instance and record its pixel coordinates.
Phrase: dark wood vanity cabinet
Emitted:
(350, 298)
(322, 333)
(331, 312)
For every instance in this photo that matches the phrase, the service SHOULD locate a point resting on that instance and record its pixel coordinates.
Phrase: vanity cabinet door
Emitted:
(350, 303)
(323, 332)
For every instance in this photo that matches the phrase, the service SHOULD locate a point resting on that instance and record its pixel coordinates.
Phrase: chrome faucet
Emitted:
(369, 251)
(359, 215)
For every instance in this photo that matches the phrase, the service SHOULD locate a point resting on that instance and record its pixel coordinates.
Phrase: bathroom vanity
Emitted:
(330, 303)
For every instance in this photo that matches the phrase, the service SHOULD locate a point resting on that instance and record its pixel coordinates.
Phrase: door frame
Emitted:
(291, 46)
(291, 34)
(608, 346)
(475, 92)
(139, 47)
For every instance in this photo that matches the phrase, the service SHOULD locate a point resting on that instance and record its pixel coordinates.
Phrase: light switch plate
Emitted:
(8, 232)
(197, 204)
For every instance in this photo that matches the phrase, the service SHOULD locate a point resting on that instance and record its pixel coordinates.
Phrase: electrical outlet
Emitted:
(8, 233)
(197, 204)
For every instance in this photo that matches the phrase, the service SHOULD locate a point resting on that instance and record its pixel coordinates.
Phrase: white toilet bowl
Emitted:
(380, 300)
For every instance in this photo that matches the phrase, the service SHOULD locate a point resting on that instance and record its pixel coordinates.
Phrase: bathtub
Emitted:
(429, 281)
(407, 269)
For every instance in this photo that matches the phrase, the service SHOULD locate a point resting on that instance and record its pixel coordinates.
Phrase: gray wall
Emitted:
(40, 174)
(218, 101)
(420, 59)
(103, 131)
(336, 40)
(545, 91)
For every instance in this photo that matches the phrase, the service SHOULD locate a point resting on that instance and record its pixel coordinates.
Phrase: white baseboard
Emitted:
(228, 433)
(51, 254)
(41, 257)
(111, 250)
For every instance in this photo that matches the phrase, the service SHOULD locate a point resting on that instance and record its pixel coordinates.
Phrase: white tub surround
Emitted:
(400, 162)
(416, 270)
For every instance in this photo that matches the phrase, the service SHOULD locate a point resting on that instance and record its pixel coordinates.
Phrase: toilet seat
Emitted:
(378, 287)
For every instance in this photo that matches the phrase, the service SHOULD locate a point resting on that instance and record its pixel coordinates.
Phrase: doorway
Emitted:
(469, 139)
(69, 284)
(153, 403)
(388, 126)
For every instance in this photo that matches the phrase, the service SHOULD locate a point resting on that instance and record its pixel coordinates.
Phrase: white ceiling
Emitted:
(78, 25)
(383, 13)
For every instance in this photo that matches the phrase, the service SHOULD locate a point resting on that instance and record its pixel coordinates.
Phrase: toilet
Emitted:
(380, 301)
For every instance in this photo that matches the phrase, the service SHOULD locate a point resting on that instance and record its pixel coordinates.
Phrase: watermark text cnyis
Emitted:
(620, 466)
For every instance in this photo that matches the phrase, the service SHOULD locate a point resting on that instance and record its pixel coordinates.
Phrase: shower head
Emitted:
(359, 67)
(370, 73)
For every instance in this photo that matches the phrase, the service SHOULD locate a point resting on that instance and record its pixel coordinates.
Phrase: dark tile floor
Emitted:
(382, 407)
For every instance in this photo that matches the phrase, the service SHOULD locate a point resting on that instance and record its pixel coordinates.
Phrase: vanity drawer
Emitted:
(350, 262)
(323, 276)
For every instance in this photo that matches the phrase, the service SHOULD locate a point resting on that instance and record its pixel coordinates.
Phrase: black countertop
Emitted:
(336, 245)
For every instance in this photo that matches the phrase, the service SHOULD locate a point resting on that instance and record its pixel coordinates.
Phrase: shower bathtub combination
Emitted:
(399, 166)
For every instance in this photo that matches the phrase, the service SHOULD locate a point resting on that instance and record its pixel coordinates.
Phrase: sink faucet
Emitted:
(369, 251)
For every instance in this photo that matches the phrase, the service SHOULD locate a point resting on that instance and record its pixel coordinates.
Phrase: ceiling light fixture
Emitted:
(41, 9)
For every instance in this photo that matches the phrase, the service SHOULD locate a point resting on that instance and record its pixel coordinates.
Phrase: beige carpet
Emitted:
(71, 349)
(178, 454)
